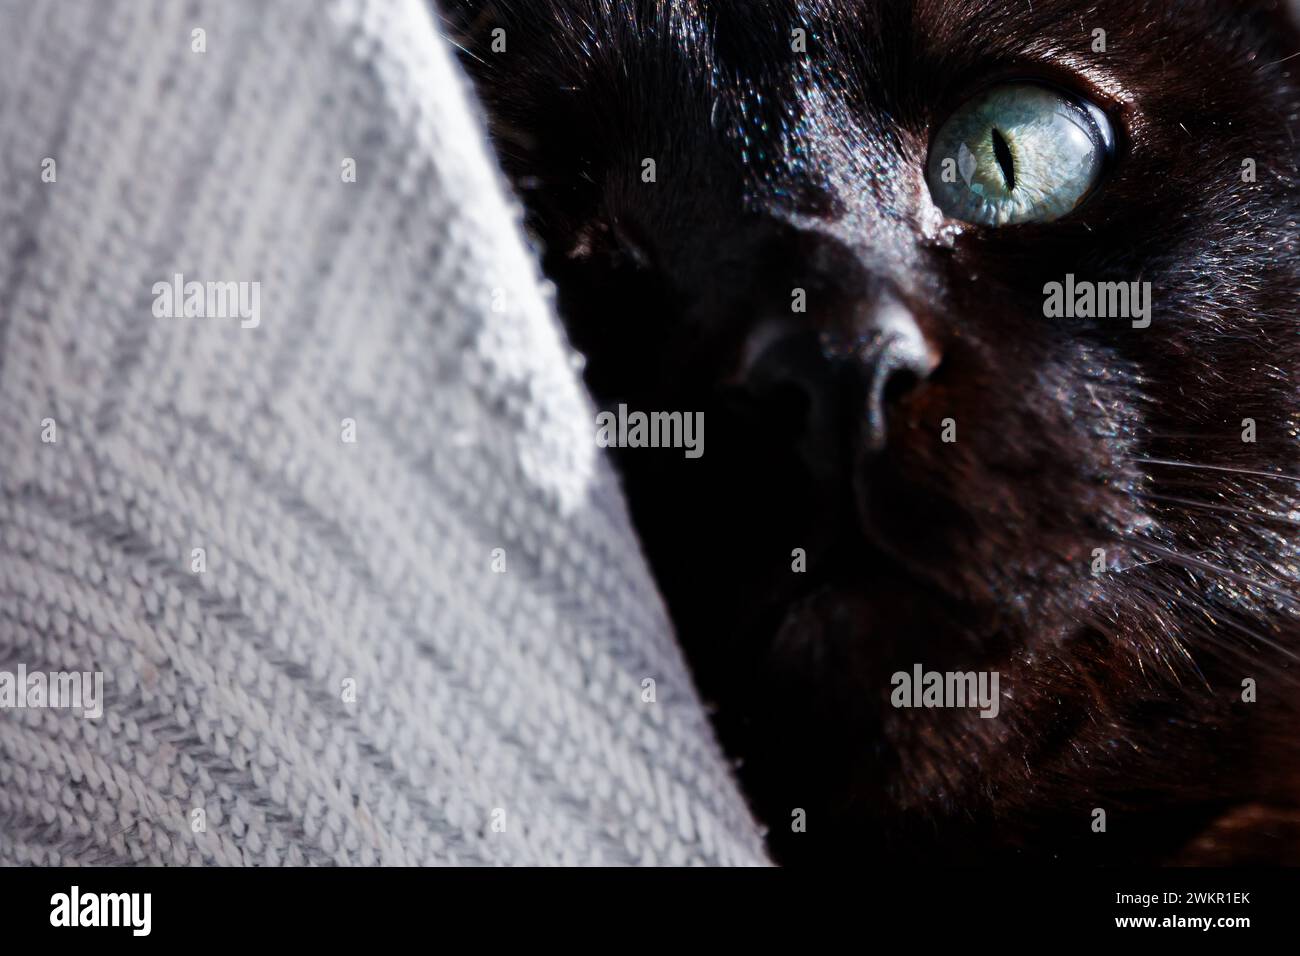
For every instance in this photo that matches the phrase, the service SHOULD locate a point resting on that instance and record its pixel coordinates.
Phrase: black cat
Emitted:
(852, 233)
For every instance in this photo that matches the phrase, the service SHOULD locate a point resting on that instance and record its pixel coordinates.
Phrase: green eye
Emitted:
(1018, 152)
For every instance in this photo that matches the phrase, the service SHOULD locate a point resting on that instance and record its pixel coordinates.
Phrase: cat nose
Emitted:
(825, 387)
(895, 360)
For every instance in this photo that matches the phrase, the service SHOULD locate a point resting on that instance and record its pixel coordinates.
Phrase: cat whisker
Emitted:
(1226, 509)
(463, 49)
(1154, 591)
(1188, 561)
(1249, 472)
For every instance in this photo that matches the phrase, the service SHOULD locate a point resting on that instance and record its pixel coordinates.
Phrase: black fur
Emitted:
(779, 170)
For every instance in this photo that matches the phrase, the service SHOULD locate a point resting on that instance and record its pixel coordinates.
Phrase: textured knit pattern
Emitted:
(499, 716)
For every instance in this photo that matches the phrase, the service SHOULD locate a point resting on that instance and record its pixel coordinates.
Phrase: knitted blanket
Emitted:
(307, 552)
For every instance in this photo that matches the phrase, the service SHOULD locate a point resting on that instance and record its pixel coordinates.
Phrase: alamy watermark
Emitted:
(209, 300)
(74, 690)
(922, 688)
(651, 430)
(1100, 300)
(130, 910)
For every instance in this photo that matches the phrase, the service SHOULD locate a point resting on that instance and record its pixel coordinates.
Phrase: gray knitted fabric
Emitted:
(361, 588)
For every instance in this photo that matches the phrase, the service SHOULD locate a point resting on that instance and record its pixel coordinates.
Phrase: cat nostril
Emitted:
(893, 370)
(897, 384)
(787, 408)
(793, 387)
(894, 363)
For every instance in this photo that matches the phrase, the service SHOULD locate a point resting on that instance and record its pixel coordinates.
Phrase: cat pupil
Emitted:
(1002, 152)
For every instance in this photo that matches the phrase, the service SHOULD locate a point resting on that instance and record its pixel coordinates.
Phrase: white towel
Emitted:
(431, 643)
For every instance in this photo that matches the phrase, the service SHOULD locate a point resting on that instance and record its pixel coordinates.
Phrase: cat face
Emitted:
(923, 447)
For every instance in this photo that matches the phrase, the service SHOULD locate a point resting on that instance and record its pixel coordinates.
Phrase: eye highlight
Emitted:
(1018, 152)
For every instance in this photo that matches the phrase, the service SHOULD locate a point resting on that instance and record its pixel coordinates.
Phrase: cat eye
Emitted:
(1018, 152)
